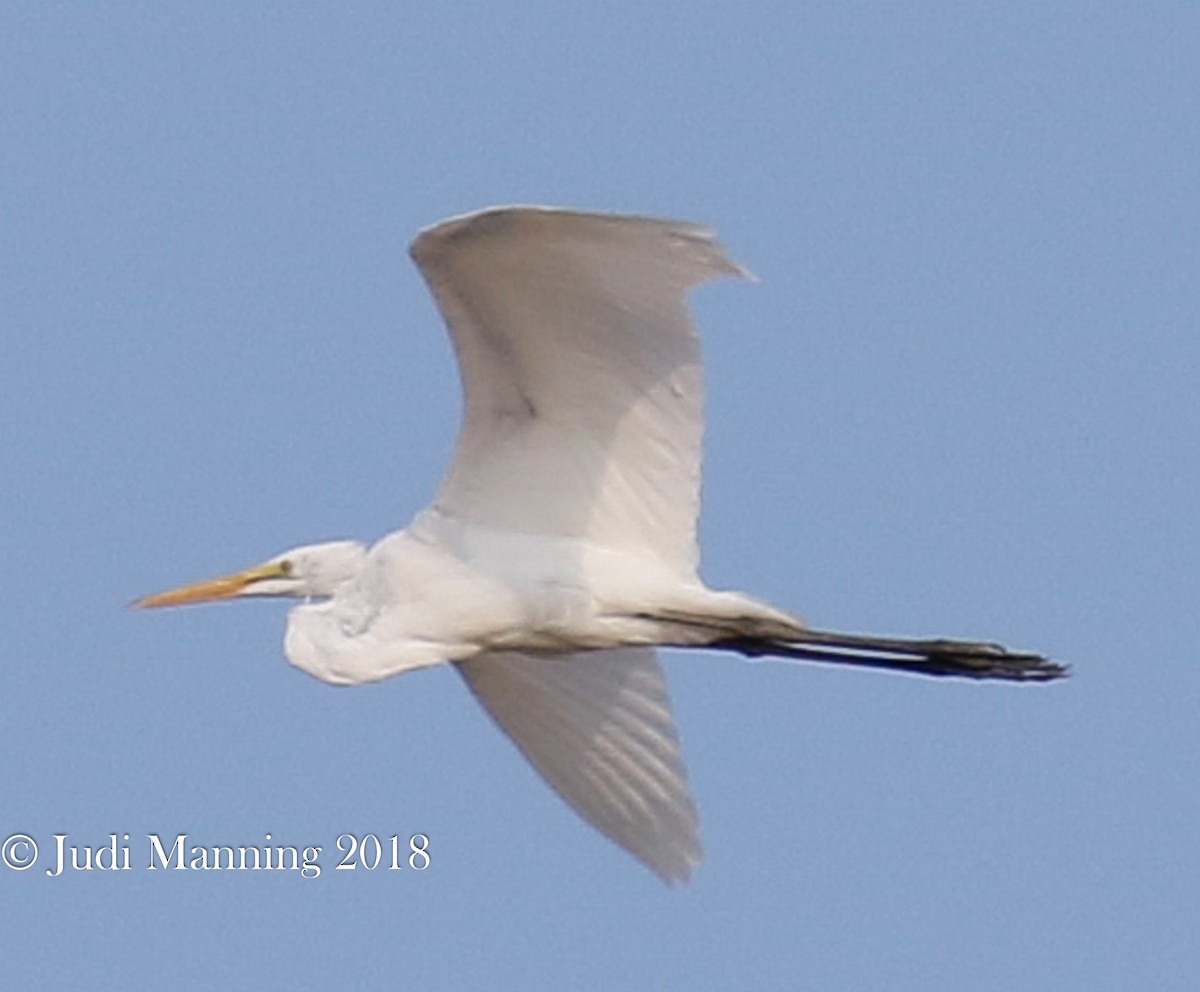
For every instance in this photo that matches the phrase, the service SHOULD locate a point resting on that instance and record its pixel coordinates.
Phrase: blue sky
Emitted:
(962, 400)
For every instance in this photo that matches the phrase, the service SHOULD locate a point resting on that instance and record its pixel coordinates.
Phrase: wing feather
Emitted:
(581, 373)
(598, 728)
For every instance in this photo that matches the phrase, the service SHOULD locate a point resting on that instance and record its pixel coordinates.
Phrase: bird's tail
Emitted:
(940, 656)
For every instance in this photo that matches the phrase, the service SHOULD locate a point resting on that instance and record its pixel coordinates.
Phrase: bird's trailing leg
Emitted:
(964, 659)
(776, 635)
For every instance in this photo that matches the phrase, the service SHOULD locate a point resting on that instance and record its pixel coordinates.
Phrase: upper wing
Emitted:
(581, 372)
(598, 727)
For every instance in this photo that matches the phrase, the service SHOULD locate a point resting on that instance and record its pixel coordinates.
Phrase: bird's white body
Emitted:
(560, 548)
(439, 591)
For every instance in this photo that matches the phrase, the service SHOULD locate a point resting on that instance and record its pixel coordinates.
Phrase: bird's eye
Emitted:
(285, 567)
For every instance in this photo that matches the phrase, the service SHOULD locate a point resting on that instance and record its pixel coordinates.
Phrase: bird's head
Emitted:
(304, 572)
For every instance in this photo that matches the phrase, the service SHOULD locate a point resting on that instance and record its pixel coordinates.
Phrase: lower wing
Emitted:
(597, 726)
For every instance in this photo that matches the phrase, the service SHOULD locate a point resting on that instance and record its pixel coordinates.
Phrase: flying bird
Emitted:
(560, 550)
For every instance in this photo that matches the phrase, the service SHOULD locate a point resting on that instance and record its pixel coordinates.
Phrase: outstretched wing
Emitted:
(598, 727)
(581, 373)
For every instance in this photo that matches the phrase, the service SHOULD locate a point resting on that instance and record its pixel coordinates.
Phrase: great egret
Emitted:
(561, 549)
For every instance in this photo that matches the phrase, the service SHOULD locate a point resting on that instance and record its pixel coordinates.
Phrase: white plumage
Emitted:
(561, 545)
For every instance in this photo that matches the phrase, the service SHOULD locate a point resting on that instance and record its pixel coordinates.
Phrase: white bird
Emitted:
(560, 550)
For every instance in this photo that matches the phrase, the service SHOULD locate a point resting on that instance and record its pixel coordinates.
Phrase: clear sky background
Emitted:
(962, 400)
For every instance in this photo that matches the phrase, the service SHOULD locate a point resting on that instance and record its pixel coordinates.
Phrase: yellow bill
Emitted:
(223, 587)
